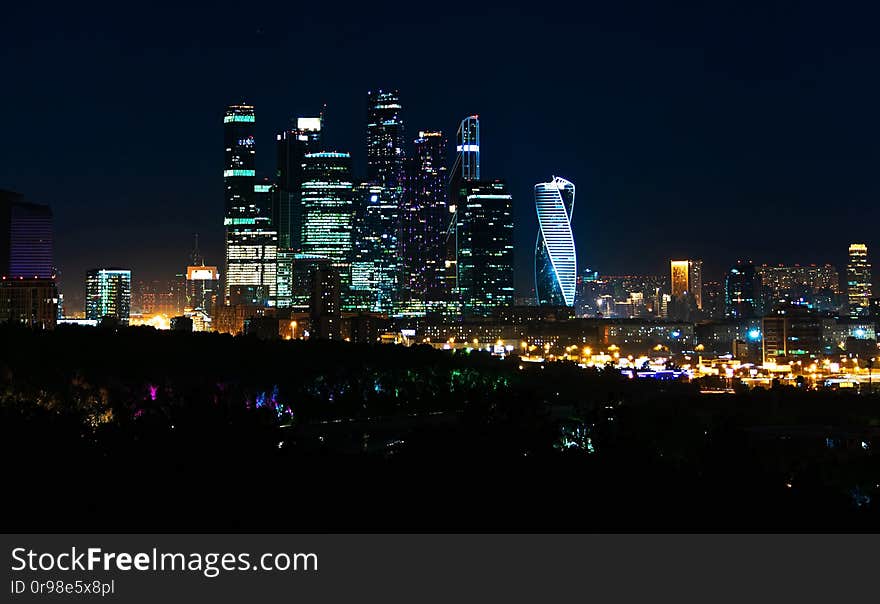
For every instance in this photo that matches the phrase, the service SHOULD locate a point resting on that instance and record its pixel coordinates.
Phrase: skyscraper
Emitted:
(376, 261)
(25, 238)
(485, 247)
(328, 210)
(466, 169)
(108, 294)
(742, 291)
(251, 241)
(291, 147)
(687, 280)
(858, 280)
(425, 221)
(467, 159)
(555, 257)
(385, 152)
(28, 292)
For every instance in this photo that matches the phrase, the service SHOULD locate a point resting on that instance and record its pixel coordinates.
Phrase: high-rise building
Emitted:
(325, 307)
(858, 280)
(328, 210)
(202, 288)
(742, 291)
(108, 294)
(425, 221)
(295, 278)
(28, 291)
(251, 241)
(555, 257)
(291, 146)
(25, 238)
(485, 247)
(465, 170)
(376, 261)
(385, 152)
(687, 280)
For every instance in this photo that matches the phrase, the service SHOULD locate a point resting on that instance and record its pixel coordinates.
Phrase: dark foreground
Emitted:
(139, 430)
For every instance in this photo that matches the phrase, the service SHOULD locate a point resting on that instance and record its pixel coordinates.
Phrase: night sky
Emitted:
(722, 130)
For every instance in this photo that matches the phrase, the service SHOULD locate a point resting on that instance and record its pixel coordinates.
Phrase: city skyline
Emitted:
(686, 157)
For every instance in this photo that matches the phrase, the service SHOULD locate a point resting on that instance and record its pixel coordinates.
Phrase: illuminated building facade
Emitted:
(291, 146)
(555, 257)
(108, 294)
(251, 241)
(25, 238)
(687, 281)
(328, 210)
(376, 260)
(485, 247)
(425, 221)
(385, 152)
(202, 288)
(742, 291)
(791, 333)
(295, 278)
(32, 302)
(466, 169)
(858, 280)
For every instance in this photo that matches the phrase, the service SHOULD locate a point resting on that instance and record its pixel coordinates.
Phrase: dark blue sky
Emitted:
(719, 130)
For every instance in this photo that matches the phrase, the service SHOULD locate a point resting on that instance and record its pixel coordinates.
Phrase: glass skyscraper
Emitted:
(108, 294)
(291, 146)
(376, 260)
(328, 210)
(385, 153)
(251, 240)
(425, 221)
(555, 257)
(485, 247)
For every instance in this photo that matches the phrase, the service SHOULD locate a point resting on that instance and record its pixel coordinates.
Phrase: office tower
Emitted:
(328, 210)
(108, 294)
(687, 280)
(295, 278)
(555, 258)
(25, 238)
(385, 153)
(791, 333)
(858, 280)
(325, 307)
(31, 302)
(202, 288)
(485, 247)
(376, 261)
(424, 223)
(251, 241)
(291, 146)
(587, 292)
(742, 291)
(28, 292)
(465, 169)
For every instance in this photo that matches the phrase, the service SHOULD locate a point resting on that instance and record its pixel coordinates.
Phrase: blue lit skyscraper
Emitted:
(291, 146)
(555, 257)
(467, 159)
(328, 211)
(108, 294)
(385, 153)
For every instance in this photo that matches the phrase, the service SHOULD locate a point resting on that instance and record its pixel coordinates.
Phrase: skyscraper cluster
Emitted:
(411, 239)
